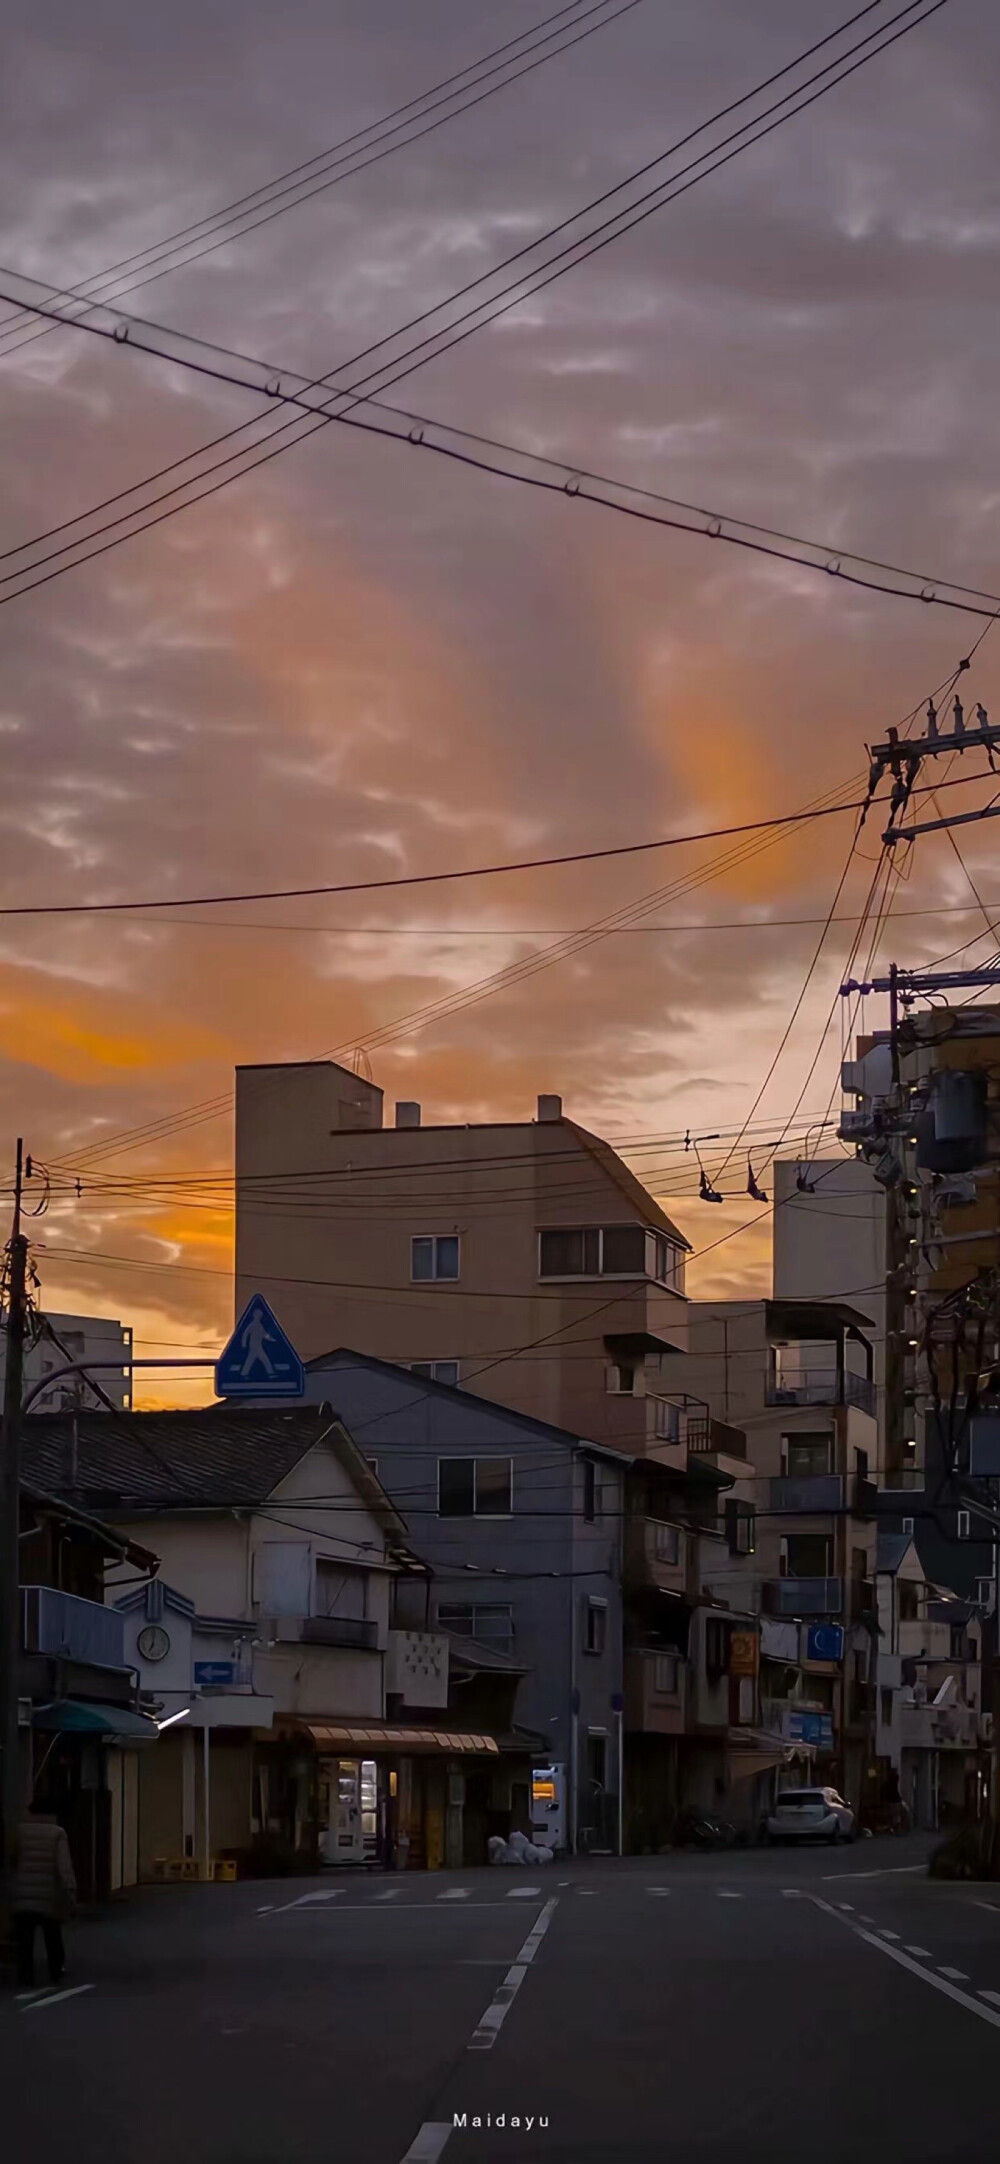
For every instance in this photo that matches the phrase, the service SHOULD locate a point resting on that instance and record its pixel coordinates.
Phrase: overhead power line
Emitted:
(323, 171)
(427, 879)
(488, 455)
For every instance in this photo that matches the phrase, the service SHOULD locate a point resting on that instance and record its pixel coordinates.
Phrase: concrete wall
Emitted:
(493, 1186)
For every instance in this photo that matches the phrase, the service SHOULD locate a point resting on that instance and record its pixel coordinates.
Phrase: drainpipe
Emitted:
(574, 1724)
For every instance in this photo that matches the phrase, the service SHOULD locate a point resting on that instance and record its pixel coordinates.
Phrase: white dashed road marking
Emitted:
(924, 1952)
(927, 1976)
(310, 1900)
(663, 1890)
(53, 1998)
(523, 1893)
(888, 1934)
(455, 1893)
(484, 2037)
(391, 1893)
(958, 1976)
(429, 2143)
(725, 1895)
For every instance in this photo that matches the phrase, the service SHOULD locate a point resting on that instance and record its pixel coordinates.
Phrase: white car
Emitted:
(810, 1814)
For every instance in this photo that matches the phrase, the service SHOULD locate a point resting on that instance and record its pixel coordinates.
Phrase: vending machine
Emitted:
(548, 1806)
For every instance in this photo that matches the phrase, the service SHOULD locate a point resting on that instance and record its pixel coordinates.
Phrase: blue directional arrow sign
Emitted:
(259, 1361)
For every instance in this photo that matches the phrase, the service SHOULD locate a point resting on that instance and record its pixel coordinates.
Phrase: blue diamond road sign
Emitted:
(258, 1361)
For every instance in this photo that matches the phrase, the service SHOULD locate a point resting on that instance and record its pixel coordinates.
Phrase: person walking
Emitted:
(44, 1892)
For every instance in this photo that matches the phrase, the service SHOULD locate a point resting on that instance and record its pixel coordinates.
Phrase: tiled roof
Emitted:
(234, 1457)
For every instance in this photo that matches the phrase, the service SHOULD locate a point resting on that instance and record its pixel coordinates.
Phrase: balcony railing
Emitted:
(72, 1629)
(804, 1596)
(704, 1435)
(822, 1386)
(810, 1493)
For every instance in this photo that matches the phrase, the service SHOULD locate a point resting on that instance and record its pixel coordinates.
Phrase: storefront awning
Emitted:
(754, 1750)
(379, 1736)
(77, 1717)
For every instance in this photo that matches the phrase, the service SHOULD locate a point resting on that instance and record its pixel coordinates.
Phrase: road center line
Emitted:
(54, 1998)
(927, 1976)
(485, 2035)
(429, 2142)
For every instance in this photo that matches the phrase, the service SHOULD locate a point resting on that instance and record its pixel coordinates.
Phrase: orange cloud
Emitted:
(79, 1034)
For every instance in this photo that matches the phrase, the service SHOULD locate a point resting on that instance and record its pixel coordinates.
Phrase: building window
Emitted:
(909, 1600)
(597, 1758)
(372, 1464)
(433, 1256)
(591, 1491)
(596, 1627)
(665, 1260)
(886, 1698)
(666, 1675)
(436, 1371)
(340, 1591)
(667, 1544)
(475, 1487)
(716, 1647)
(805, 1555)
(622, 1378)
(907, 1528)
(593, 1251)
(963, 1524)
(491, 1623)
(666, 1421)
(806, 1455)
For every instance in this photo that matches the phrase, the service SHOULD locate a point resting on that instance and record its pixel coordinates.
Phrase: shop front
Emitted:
(402, 1798)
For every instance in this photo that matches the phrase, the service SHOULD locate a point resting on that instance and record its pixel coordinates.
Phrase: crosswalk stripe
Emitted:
(522, 1893)
(391, 1893)
(664, 1890)
(455, 1893)
(725, 1895)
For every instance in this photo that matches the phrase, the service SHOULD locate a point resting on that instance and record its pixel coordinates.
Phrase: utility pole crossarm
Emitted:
(936, 826)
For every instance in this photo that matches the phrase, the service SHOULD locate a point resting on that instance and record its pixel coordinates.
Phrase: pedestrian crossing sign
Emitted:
(259, 1360)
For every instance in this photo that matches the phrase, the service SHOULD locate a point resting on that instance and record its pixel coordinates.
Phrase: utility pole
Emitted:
(10, 1484)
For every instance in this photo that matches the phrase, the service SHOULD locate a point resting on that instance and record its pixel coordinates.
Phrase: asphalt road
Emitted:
(727, 2010)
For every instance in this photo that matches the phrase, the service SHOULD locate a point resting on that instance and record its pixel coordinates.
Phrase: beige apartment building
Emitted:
(521, 1259)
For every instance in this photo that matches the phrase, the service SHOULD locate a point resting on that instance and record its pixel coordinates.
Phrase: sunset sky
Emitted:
(362, 661)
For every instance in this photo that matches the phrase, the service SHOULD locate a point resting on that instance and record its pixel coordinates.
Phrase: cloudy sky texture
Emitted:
(362, 661)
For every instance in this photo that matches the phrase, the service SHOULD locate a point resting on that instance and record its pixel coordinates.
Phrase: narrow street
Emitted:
(695, 2006)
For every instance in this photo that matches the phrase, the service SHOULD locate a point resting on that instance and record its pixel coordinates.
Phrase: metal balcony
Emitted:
(71, 1629)
(822, 1386)
(705, 1436)
(803, 1596)
(810, 1493)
